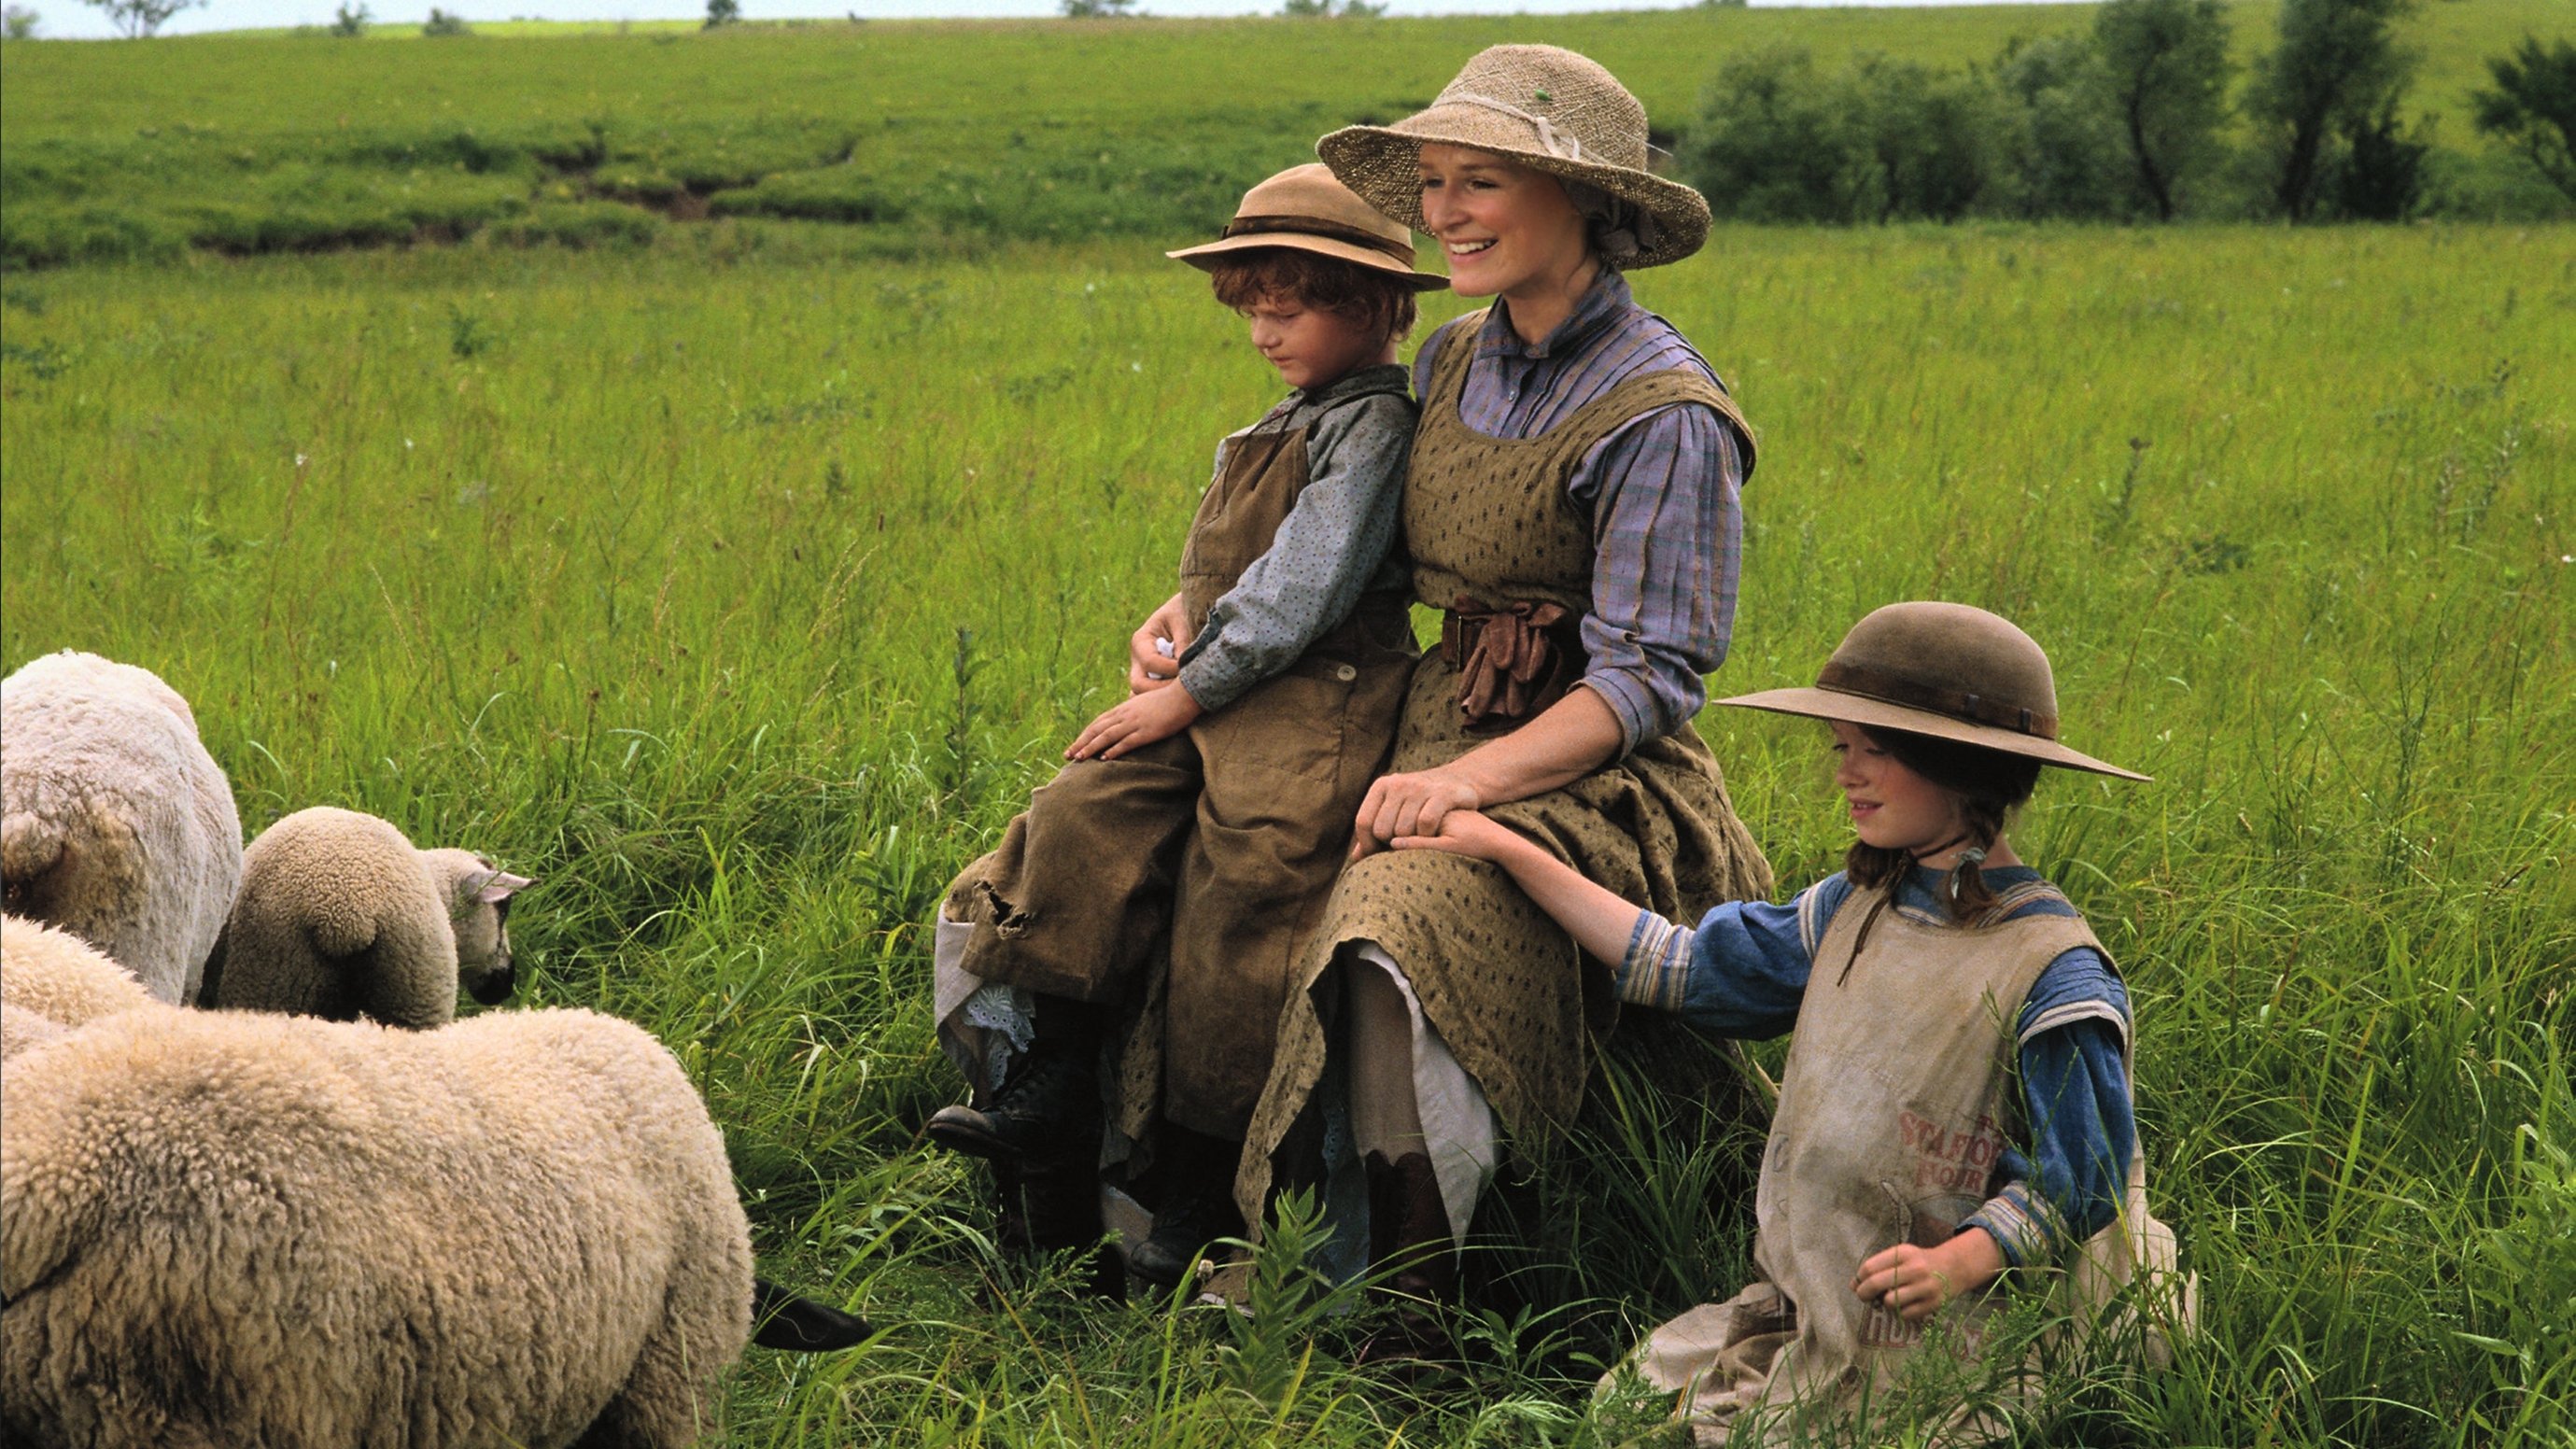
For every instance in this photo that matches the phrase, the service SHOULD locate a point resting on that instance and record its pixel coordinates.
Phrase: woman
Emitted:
(1571, 507)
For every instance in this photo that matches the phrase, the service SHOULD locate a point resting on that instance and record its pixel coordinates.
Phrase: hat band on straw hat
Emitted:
(1559, 145)
(1330, 230)
(1845, 677)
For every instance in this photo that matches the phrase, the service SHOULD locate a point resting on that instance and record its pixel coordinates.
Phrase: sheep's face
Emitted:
(478, 906)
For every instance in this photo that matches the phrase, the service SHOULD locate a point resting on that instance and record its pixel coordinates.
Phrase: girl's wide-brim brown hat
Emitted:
(1545, 107)
(1304, 209)
(1944, 670)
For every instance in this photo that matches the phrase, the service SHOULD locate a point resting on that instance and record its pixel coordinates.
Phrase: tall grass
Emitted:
(740, 587)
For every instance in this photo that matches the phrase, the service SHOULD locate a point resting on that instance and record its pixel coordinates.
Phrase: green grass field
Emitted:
(740, 586)
(927, 137)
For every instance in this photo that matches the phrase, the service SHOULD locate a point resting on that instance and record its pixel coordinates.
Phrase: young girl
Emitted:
(1956, 1103)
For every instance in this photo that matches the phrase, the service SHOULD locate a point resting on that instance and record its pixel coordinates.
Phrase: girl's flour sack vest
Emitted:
(1895, 1107)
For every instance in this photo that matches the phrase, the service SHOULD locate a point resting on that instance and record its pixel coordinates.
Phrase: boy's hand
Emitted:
(1466, 832)
(1139, 722)
(1150, 667)
(1914, 1282)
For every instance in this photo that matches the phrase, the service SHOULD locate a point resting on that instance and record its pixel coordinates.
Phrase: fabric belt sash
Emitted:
(1512, 662)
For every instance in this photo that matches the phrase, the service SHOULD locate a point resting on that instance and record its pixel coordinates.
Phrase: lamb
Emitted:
(115, 824)
(340, 917)
(238, 1229)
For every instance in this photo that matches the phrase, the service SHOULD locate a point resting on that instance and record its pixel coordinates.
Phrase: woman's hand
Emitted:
(1413, 804)
(1149, 667)
(1914, 1282)
(1140, 721)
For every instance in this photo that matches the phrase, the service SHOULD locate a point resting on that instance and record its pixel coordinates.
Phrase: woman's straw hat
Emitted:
(1944, 670)
(1546, 108)
(1303, 208)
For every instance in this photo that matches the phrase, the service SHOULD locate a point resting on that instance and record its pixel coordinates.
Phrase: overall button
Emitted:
(1346, 672)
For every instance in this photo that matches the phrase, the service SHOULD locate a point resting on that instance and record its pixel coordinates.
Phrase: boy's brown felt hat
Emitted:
(1945, 670)
(1546, 107)
(1304, 209)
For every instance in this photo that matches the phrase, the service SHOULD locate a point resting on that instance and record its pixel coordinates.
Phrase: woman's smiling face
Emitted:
(1503, 226)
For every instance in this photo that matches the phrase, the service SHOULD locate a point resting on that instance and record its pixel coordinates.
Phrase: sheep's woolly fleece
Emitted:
(115, 824)
(339, 916)
(222, 1229)
(54, 977)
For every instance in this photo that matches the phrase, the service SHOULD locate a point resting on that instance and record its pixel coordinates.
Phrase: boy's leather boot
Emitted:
(1197, 1206)
(1409, 1227)
(1048, 1110)
(797, 1324)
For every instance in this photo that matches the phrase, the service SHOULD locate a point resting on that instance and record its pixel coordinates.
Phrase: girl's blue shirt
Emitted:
(1743, 971)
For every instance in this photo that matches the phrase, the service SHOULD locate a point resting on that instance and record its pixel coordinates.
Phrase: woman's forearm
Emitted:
(1569, 740)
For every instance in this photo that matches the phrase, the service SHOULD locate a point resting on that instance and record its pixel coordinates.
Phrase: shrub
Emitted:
(2335, 69)
(2533, 107)
(442, 23)
(722, 13)
(350, 21)
(1771, 144)
(141, 19)
(2164, 71)
(2058, 153)
(1925, 137)
(2380, 174)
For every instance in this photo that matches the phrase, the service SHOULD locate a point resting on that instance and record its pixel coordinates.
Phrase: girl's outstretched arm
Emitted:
(1601, 923)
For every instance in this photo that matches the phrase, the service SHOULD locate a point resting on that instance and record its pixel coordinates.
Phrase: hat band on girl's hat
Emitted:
(1401, 251)
(1844, 676)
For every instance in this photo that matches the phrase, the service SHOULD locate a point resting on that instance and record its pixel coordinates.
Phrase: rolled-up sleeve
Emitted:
(1333, 542)
(1668, 525)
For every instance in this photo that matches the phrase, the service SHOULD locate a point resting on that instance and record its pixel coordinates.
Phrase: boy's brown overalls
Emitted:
(1223, 840)
(1895, 1105)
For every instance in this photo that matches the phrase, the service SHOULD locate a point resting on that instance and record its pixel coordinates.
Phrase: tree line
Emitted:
(2133, 119)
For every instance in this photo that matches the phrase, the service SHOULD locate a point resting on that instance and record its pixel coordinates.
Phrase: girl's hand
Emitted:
(1914, 1282)
(1470, 833)
(1139, 722)
(1149, 668)
(1413, 804)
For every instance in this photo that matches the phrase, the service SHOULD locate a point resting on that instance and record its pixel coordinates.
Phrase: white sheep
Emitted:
(339, 916)
(236, 1229)
(115, 824)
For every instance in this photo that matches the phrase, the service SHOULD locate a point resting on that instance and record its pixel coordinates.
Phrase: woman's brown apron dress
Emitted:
(1222, 840)
(1895, 1106)
(1489, 525)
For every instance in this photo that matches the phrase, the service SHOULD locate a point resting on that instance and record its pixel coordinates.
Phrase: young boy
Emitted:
(1203, 819)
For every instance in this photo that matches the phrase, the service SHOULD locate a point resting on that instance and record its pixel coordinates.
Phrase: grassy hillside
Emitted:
(740, 595)
(930, 133)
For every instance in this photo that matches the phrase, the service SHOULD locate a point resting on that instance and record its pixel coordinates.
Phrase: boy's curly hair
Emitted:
(1368, 298)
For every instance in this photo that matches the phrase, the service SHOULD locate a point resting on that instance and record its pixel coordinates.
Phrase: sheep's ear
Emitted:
(501, 887)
